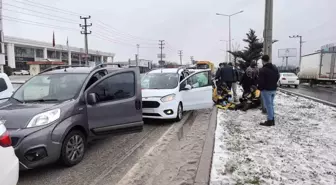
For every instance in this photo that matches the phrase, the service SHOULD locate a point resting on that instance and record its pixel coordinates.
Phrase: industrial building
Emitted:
(21, 53)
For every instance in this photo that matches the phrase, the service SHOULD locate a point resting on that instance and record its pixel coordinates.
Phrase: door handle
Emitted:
(137, 104)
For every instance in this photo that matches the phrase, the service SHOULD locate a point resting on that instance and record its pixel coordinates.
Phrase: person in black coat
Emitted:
(267, 84)
(227, 75)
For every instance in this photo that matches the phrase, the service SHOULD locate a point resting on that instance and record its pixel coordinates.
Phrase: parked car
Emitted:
(288, 79)
(9, 170)
(168, 92)
(6, 87)
(55, 113)
(21, 72)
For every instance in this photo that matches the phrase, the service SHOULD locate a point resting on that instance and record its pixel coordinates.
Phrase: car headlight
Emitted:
(44, 118)
(168, 98)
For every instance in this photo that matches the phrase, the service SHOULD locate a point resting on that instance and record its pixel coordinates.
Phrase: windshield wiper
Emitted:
(42, 100)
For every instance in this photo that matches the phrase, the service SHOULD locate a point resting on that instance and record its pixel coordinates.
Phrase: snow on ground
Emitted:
(300, 149)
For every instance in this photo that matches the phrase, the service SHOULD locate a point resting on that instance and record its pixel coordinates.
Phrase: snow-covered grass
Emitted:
(300, 149)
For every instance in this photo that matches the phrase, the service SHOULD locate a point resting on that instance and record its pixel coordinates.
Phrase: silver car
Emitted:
(54, 114)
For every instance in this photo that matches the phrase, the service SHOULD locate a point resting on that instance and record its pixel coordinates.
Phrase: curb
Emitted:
(308, 97)
(204, 166)
(145, 163)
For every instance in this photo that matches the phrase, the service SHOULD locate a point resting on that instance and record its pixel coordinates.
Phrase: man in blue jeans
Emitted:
(267, 84)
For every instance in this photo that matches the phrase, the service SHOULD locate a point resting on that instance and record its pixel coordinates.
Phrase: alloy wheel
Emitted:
(75, 148)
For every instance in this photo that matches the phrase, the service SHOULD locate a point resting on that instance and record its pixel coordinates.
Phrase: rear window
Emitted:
(3, 85)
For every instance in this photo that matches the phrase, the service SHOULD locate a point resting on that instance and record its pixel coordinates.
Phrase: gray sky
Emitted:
(188, 25)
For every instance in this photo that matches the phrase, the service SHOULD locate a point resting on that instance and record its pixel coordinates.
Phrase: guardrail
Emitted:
(308, 97)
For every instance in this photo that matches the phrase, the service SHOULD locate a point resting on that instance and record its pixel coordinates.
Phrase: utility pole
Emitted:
(161, 44)
(86, 33)
(268, 35)
(138, 47)
(192, 60)
(268, 28)
(301, 42)
(2, 44)
(180, 54)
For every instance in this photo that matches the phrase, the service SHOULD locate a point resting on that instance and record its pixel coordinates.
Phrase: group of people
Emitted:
(252, 80)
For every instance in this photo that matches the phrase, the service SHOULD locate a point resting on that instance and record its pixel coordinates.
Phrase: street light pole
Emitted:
(230, 26)
(301, 42)
(227, 41)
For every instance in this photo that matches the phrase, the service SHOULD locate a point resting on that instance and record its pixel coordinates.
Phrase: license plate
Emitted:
(290, 81)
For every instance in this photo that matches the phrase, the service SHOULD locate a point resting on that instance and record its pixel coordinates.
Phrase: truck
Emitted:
(205, 65)
(318, 68)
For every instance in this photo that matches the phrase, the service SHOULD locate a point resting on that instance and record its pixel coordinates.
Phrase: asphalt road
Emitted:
(326, 93)
(106, 160)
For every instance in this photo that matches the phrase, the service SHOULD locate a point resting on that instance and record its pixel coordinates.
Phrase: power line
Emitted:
(37, 23)
(126, 34)
(74, 21)
(54, 9)
(38, 16)
(122, 39)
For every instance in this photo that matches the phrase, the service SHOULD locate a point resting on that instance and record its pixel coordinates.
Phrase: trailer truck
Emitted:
(318, 68)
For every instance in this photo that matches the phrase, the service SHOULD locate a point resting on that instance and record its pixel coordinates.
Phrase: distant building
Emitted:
(19, 53)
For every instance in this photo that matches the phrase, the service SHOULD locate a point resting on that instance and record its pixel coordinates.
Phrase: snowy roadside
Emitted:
(300, 149)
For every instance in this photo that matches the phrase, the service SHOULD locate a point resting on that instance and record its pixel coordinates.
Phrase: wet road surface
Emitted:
(326, 93)
(106, 160)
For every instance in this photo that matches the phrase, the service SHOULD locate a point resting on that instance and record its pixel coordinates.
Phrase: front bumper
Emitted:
(34, 146)
(167, 110)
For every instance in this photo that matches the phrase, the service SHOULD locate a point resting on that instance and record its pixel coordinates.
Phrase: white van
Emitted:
(6, 87)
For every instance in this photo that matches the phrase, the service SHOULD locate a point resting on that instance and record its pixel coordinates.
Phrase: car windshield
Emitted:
(50, 87)
(160, 81)
(202, 66)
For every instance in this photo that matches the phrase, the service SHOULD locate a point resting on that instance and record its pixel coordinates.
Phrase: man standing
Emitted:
(234, 82)
(267, 84)
(226, 75)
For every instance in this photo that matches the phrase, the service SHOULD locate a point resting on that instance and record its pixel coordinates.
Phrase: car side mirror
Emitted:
(91, 99)
(186, 88)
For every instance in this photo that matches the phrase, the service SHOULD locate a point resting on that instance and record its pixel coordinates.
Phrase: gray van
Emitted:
(55, 113)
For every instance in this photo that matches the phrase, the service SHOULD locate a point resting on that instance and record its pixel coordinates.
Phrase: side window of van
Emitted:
(3, 85)
(96, 77)
(116, 87)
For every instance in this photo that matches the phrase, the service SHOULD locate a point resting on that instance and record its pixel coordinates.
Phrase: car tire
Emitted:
(73, 148)
(296, 86)
(179, 115)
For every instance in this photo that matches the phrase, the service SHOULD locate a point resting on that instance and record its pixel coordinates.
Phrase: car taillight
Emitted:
(5, 140)
(283, 78)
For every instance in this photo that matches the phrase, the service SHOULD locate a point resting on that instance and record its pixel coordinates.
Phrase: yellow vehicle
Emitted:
(205, 65)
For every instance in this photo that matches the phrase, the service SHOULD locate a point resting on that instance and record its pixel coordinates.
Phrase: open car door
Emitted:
(114, 103)
(196, 91)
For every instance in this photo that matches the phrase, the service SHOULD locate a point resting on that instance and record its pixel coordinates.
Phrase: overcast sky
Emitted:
(188, 25)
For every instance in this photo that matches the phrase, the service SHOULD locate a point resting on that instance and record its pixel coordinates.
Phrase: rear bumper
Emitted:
(297, 82)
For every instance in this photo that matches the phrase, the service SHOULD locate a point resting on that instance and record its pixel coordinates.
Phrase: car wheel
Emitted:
(73, 148)
(179, 115)
(296, 86)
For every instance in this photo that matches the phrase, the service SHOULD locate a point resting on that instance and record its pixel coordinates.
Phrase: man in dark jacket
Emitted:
(267, 84)
(227, 75)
